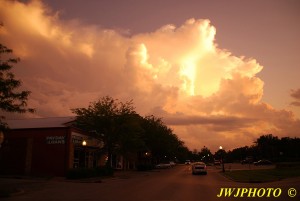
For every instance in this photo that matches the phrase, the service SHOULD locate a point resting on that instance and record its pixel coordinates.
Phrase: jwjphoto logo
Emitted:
(253, 192)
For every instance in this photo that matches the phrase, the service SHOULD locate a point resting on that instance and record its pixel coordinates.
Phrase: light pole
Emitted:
(85, 154)
(221, 151)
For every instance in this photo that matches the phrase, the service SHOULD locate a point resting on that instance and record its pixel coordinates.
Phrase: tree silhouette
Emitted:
(268, 146)
(205, 154)
(11, 99)
(161, 141)
(113, 122)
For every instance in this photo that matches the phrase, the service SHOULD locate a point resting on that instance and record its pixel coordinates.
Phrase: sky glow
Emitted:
(204, 92)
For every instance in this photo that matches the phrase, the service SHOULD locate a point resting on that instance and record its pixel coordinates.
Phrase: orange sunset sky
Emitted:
(217, 72)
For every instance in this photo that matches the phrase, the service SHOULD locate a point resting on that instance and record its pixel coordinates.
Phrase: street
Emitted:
(177, 184)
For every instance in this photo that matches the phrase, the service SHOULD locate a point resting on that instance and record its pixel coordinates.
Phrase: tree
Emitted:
(268, 146)
(11, 99)
(289, 148)
(113, 122)
(123, 131)
(220, 154)
(161, 141)
(130, 137)
(205, 154)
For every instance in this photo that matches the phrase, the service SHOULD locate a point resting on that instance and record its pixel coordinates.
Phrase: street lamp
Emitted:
(85, 153)
(223, 168)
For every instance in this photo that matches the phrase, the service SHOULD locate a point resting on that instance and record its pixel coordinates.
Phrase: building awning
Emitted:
(50, 122)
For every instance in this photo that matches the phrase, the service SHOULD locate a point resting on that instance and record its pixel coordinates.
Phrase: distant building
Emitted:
(47, 147)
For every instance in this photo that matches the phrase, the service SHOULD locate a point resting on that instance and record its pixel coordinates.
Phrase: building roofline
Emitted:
(47, 122)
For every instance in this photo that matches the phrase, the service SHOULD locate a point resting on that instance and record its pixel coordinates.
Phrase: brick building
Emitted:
(47, 147)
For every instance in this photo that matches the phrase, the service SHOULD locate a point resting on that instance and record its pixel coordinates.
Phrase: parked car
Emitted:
(199, 168)
(217, 162)
(247, 160)
(263, 162)
(172, 163)
(187, 162)
(163, 165)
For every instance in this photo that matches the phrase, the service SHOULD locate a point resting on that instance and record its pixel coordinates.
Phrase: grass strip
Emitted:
(262, 175)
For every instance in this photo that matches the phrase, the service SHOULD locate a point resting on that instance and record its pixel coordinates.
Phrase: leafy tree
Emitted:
(183, 153)
(130, 141)
(268, 146)
(11, 99)
(220, 154)
(161, 141)
(125, 132)
(112, 121)
(205, 154)
(289, 148)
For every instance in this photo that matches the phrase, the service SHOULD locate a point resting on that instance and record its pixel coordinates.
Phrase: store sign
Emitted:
(55, 140)
(77, 139)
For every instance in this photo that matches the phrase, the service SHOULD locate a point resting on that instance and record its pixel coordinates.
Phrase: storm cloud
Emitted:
(204, 93)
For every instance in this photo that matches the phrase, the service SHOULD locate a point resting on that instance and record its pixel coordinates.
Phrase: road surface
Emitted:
(175, 184)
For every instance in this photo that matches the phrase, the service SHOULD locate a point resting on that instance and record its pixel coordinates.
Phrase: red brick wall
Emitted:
(49, 159)
(26, 151)
(12, 156)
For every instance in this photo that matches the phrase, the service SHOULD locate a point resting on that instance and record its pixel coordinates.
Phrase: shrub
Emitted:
(80, 173)
(144, 167)
(104, 171)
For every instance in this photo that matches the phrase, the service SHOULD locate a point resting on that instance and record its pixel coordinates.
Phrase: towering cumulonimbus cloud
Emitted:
(207, 95)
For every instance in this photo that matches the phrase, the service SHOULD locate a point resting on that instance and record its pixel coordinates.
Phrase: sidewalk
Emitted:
(16, 185)
(13, 185)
